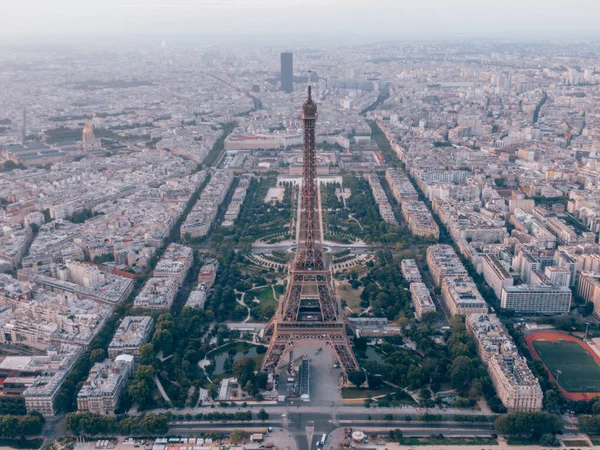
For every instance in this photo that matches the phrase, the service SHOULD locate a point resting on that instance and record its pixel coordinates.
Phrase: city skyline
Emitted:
(275, 227)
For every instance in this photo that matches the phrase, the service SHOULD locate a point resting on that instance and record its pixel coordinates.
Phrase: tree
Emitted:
(261, 380)
(154, 424)
(425, 394)
(243, 370)
(430, 317)
(213, 392)
(552, 399)
(533, 423)
(461, 372)
(357, 378)
(238, 436)
(589, 424)
(263, 415)
(97, 355)
(147, 355)
(395, 435)
(26, 425)
(141, 385)
(360, 345)
(549, 440)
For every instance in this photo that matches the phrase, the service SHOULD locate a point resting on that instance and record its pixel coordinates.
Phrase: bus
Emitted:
(323, 439)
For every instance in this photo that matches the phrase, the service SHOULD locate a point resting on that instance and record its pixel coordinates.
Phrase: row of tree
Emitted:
(589, 423)
(240, 416)
(24, 425)
(12, 405)
(541, 426)
(87, 423)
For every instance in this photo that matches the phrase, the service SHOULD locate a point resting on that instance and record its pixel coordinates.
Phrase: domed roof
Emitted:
(309, 108)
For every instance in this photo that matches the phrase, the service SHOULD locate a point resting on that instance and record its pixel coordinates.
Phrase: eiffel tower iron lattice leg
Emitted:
(334, 337)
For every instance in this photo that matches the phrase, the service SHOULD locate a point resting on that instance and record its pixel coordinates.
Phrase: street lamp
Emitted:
(587, 325)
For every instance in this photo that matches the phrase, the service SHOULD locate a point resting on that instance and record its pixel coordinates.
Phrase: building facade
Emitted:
(101, 392)
(495, 275)
(421, 299)
(542, 299)
(461, 296)
(517, 388)
(410, 271)
(443, 262)
(133, 332)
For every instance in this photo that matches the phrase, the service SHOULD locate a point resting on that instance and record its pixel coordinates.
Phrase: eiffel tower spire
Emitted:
(309, 310)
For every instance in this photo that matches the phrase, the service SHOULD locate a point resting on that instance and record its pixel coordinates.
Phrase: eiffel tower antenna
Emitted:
(309, 311)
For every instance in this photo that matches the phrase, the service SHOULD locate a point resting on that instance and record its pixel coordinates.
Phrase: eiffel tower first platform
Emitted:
(309, 311)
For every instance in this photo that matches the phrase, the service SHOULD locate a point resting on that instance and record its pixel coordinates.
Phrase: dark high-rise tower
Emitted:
(309, 310)
(287, 72)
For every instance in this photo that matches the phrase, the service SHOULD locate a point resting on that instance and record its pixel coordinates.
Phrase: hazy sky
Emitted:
(376, 18)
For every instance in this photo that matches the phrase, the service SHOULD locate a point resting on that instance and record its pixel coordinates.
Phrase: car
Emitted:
(284, 415)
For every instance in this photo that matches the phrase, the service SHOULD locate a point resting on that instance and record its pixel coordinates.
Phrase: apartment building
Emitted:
(385, 209)
(237, 200)
(85, 275)
(13, 245)
(204, 212)
(175, 263)
(443, 262)
(50, 318)
(112, 290)
(401, 187)
(558, 276)
(157, 293)
(419, 219)
(540, 299)
(208, 273)
(410, 271)
(101, 392)
(495, 275)
(564, 259)
(197, 298)
(588, 288)
(461, 296)
(133, 332)
(515, 385)
(41, 395)
(421, 299)
(20, 372)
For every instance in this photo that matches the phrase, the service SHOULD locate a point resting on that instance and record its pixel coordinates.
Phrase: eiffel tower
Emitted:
(309, 311)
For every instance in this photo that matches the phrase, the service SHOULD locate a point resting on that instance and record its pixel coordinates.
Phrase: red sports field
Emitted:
(572, 360)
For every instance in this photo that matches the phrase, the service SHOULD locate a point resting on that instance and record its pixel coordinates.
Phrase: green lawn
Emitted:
(519, 440)
(577, 443)
(570, 362)
(265, 295)
(448, 441)
(353, 392)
